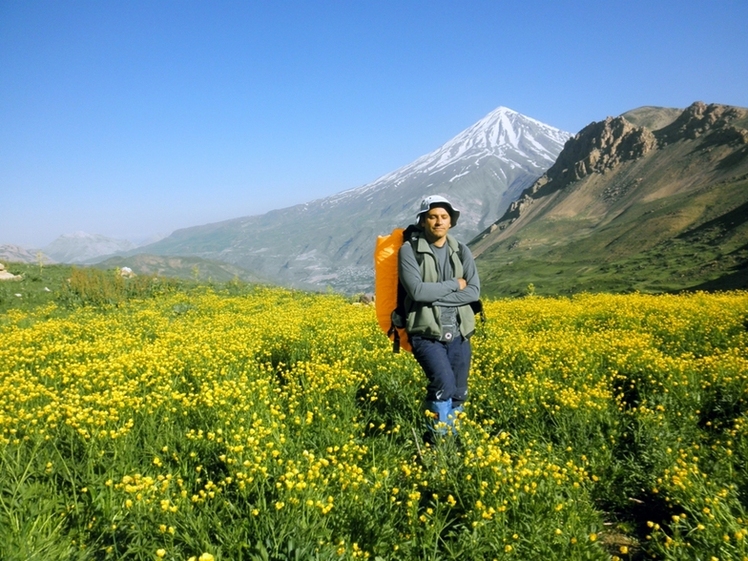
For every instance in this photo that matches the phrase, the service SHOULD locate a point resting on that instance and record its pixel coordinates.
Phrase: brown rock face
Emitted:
(598, 147)
(601, 146)
(701, 118)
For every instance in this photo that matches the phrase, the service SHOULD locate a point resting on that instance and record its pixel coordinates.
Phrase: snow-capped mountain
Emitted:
(503, 133)
(518, 144)
(329, 242)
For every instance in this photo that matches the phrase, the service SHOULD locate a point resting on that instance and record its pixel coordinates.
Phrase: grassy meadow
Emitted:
(145, 419)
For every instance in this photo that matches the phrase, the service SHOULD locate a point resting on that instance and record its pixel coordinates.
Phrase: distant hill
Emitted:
(626, 207)
(17, 254)
(81, 247)
(652, 118)
(191, 268)
(329, 242)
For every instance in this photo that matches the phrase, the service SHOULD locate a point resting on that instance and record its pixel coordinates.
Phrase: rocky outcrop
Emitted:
(599, 147)
(513, 212)
(6, 275)
(700, 119)
(604, 145)
(729, 135)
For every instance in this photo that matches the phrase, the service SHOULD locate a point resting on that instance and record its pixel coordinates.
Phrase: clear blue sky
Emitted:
(129, 118)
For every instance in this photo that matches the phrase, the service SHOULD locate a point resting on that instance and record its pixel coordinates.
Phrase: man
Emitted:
(440, 281)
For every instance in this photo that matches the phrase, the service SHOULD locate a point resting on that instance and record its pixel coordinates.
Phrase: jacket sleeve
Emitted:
(410, 277)
(471, 292)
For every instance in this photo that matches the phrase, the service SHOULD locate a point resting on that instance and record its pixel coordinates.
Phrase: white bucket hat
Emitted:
(437, 200)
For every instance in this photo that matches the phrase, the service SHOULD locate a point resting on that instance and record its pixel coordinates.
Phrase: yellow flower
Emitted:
(160, 552)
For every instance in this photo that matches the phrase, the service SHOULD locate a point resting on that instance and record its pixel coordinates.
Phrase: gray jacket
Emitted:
(427, 290)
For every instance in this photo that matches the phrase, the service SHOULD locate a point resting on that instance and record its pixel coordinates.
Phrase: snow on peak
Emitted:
(505, 128)
(503, 133)
(513, 138)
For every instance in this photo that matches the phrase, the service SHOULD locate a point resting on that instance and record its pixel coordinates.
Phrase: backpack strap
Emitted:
(395, 335)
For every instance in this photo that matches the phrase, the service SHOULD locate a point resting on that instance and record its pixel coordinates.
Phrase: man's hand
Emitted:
(462, 283)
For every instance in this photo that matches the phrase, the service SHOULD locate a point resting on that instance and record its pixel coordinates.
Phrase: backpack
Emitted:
(389, 293)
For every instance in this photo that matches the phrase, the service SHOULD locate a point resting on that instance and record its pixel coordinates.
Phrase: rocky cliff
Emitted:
(602, 146)
(620, 192)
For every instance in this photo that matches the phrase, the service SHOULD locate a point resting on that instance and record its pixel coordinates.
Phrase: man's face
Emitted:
(436, 223)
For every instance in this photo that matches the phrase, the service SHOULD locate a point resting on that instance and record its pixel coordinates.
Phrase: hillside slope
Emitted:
(629, 208)
(193, 268)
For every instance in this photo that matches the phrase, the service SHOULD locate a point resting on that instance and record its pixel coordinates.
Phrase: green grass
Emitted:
(38, 286)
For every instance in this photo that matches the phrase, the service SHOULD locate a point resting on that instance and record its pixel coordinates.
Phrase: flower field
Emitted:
(261, 423)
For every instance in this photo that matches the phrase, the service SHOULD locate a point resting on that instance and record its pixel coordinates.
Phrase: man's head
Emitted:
(436, 217)
(437, 201)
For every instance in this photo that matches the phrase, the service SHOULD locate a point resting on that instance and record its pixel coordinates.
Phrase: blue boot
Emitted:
(454, 415)
(443, 420)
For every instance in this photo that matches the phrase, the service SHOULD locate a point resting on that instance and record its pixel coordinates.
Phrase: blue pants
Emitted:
(446, 366)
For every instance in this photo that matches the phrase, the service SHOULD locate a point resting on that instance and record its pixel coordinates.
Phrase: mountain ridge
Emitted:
(328, 242)
(10, 253)
(82, 247)
(626, 197)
